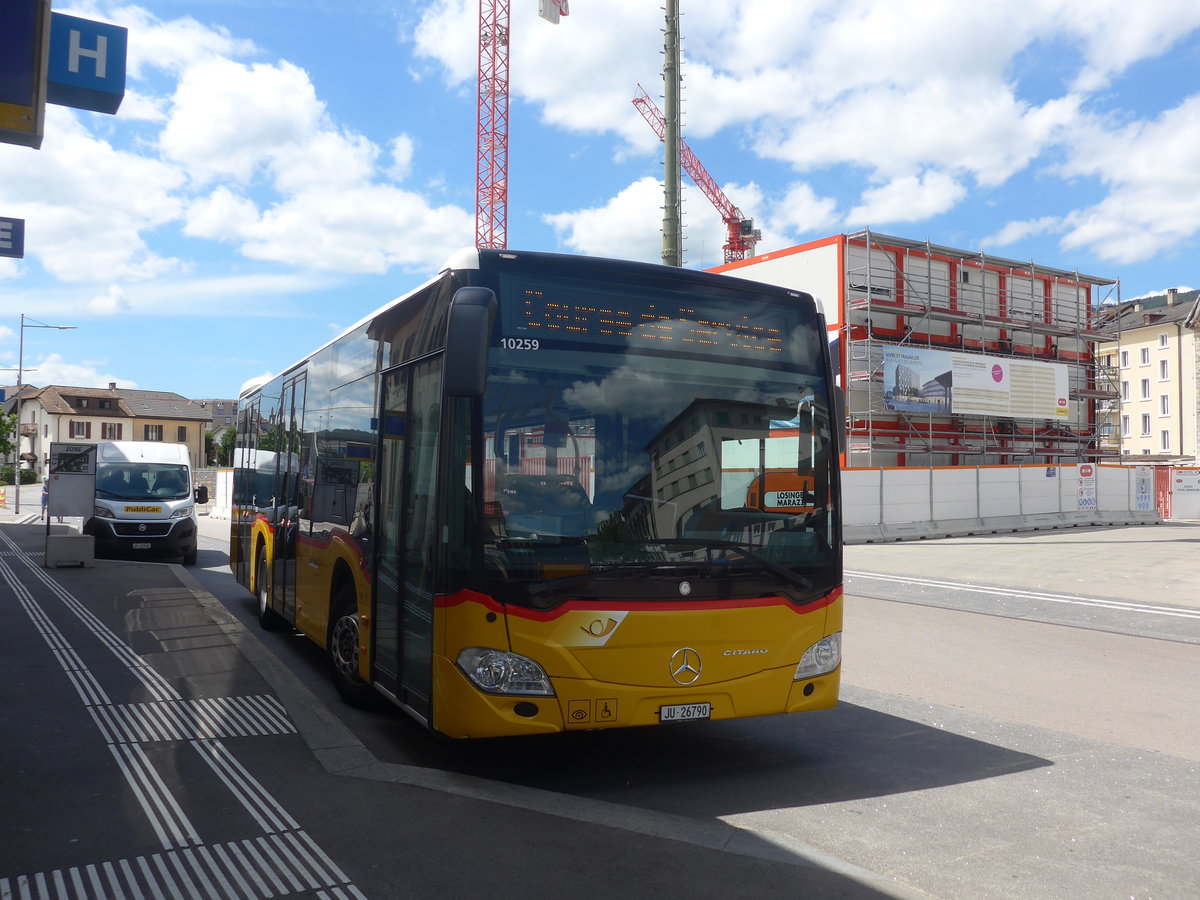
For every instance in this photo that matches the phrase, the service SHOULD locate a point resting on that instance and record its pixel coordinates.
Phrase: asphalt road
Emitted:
(1020, 716)
(1017, 720)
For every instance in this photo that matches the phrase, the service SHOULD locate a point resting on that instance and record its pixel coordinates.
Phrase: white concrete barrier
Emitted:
(895, 504)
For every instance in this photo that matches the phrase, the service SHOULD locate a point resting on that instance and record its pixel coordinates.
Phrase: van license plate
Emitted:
(141, 546)
(685, 712)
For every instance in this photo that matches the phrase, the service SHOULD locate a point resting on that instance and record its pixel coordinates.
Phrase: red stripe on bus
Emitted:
(446, 601)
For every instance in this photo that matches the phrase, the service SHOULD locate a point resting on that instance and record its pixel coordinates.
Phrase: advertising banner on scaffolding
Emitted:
(926, 380)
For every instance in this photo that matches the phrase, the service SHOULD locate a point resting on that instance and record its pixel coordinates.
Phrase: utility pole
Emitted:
(672, 228)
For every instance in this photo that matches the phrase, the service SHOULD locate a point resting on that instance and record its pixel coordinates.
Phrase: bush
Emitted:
(28, 476)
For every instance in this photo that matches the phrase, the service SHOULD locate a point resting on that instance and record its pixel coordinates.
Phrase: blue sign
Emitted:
(87, 64)
(12, 238)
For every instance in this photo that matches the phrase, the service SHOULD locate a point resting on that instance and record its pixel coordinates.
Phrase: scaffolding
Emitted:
(901, 293)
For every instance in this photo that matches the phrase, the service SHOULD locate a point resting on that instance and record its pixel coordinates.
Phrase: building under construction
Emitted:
(949, 357)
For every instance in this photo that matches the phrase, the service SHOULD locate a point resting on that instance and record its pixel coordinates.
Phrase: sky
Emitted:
(280, 168)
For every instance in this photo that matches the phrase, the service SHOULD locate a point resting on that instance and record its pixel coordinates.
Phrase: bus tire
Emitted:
(268, 619)
(343, 648)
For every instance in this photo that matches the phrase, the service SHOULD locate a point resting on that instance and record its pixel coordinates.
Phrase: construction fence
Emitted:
(901, 503)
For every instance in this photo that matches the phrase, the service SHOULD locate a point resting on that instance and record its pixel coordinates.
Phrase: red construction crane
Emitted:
(491, 142)
(742, 236)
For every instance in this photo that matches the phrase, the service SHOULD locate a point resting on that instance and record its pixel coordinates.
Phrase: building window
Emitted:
(110, 431)
(1164, 404)
(229, 420)
(1124, 426)
(1162, 339)
(152, 433)
(1164, 437)
(181, 434)
(1124, 359)
(79, 429)
(1164, 370)
(1145, 388)
(1145, 356)
(1124, 390)
(1145, 424)
(106, 404)
(1146, 451)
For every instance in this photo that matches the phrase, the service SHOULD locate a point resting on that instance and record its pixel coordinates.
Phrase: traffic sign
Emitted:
(24, 36)
(12, 237)
(87, 64)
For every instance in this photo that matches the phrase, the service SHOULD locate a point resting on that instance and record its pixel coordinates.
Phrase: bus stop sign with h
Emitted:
(55, 58)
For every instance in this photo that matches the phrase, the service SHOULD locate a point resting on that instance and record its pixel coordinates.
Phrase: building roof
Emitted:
(126, 403)
(1171, 308)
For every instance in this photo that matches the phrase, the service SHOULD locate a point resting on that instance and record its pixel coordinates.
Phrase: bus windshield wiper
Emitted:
(789, 575)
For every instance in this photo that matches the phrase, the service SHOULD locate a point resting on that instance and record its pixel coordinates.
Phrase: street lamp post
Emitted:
(20, 374)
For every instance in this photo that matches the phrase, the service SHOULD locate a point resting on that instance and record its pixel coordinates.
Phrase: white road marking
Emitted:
(1069, 599)
(284, 852)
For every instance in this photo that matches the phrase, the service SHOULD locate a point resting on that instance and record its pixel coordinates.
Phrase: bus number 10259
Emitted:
(520, 343)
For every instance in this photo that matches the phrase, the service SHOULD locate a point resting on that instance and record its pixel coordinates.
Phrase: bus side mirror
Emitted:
(202, 494)
(468, 335)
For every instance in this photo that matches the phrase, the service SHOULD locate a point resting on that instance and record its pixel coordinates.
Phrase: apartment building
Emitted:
(1154, 351)
(64, 414)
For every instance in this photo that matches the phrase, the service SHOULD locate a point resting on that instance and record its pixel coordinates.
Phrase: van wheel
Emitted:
(343, 649)
(189, 558)
(267, 617)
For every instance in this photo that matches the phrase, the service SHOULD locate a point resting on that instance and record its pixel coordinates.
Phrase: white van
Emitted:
(145, 500)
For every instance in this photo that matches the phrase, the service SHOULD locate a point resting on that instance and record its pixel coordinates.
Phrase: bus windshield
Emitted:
(141, 481)
(616, 469)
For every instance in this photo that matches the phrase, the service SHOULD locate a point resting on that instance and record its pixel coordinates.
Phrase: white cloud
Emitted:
(629, 226)
(908, 199)
(1015, 232)
(230, 120)
(110, 302)
(53, 369)
(802, 210)
(1153, 180)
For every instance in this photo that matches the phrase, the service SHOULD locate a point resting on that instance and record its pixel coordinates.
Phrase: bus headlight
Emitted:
(821, 658)
(499, 672)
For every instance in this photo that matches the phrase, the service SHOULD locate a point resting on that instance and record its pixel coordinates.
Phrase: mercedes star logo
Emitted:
(685, 666)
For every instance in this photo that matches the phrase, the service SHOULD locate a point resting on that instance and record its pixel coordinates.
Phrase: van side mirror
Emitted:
(202, 494)
(468, 335)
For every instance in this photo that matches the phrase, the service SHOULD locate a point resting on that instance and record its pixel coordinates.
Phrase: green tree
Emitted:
(225, 448)
(8, 428)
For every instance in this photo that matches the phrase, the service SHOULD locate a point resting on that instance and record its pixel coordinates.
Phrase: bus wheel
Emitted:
(343, 648)
(267, 617)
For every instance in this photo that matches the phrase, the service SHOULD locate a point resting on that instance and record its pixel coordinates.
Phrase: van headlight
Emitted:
(182, 513)
(500, 672)
(821, 658)
(101, 513)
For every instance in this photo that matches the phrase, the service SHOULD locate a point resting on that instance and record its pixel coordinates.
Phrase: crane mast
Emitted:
(491, 136)
(741, 235)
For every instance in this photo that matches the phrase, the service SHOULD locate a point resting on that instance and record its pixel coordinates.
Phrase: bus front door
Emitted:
(403, 633)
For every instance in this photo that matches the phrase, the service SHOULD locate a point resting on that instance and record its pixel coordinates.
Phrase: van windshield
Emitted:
(141, 481)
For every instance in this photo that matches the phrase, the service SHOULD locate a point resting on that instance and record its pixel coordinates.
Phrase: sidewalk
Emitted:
(30, 500)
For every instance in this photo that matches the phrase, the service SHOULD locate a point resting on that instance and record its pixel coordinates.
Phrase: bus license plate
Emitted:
(685, 712)
(141, 546)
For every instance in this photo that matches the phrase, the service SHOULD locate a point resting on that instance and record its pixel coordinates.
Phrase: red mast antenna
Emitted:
(741, 235)
(491, 137)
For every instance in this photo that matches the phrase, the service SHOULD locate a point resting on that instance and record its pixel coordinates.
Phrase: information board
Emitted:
(72, 479)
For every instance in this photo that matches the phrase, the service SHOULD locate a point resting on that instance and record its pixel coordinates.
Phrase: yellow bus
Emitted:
(514, 500)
